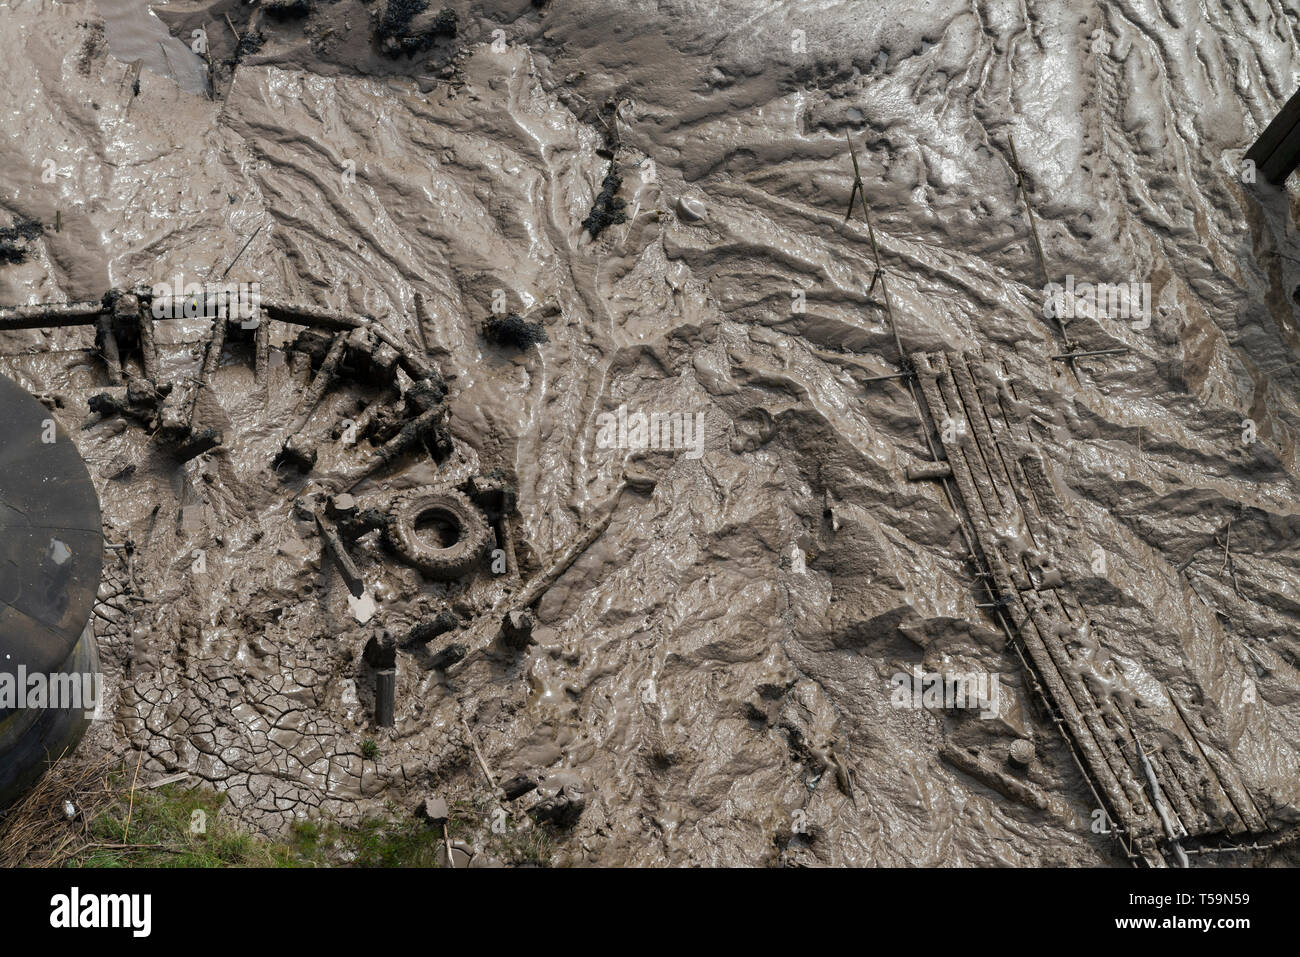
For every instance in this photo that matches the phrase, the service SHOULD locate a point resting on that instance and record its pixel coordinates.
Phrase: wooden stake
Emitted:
(481, 763)
(126, 831)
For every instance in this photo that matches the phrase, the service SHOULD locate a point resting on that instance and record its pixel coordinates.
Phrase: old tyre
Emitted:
(439, 531)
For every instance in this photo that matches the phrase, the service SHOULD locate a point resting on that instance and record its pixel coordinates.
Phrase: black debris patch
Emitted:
(314, 344)
(514, 330)
(409, 26)
(430, 629)
(14, 239)
(608, 208)
(286, 9)
(249, 44)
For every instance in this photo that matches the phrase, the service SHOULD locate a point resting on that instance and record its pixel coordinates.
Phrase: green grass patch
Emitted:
(178, 826)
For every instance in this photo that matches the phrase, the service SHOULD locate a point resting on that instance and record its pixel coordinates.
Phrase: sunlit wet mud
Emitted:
(722, 657)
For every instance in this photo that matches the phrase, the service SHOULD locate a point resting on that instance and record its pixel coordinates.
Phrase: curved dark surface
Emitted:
(51, 546)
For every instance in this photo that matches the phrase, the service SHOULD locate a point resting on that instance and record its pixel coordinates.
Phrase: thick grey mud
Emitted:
(720, 675)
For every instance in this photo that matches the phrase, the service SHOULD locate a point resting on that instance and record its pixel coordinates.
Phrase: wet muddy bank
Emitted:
(719, 667)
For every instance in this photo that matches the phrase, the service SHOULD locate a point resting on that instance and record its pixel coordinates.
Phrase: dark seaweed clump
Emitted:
(404, 29)
(608, 208)
(514, 330)
(287, 9)
(13, 239)
(249, 44)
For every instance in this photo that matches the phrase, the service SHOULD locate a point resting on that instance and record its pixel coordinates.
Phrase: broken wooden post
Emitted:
(300, 315)
(1277, 151)
(196, 443)
(425, 426)
(928, 470)
(261, 352)
(296, 450)
(448, 656)
(148, 346)
(106, 342)
(385, 697)
(347, 568)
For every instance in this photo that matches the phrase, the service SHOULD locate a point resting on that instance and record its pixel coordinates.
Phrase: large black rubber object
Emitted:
(51, 556)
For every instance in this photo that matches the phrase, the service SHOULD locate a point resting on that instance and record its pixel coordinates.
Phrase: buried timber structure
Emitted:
(1167, 794)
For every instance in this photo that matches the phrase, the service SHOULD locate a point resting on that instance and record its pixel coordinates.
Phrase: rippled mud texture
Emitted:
(712, 677)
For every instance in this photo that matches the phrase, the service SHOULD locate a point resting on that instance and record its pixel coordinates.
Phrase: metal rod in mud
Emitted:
(53, 314)
(861, 192)
(892, 375)
(251, 237)
(1033, 229)
(1157, 798)
(1071, 356)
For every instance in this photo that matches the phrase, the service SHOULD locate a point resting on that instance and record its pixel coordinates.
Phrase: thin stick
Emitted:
(251, 237)
(451, 861)
(238, 38)
(1029, 212)
(163, 782)
(892, 375)
(1033, 229)
(474, 742)
(126, 831)
(861, 193)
